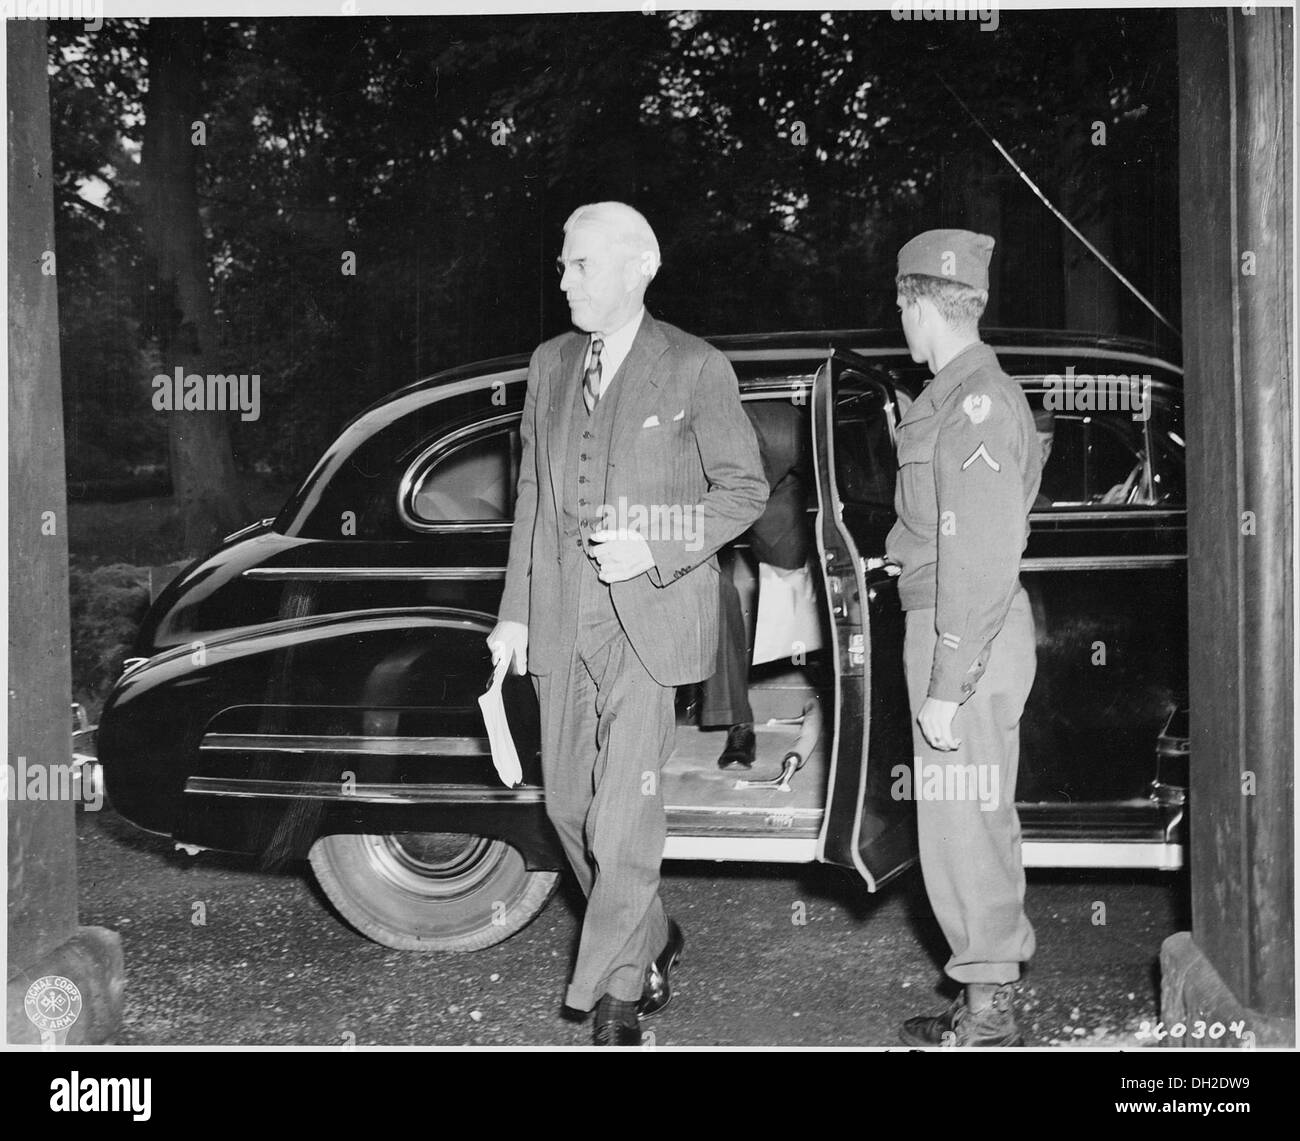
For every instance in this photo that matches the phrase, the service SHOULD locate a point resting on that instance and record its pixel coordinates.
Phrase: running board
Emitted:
(1035, 853)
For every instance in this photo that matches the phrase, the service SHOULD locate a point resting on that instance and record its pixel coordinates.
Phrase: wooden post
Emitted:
(64, 982)
(1236, 145)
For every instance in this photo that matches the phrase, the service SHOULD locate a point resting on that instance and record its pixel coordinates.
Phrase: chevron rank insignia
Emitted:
(981, 453)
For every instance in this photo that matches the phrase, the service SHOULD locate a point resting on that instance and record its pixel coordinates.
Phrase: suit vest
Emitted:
(586, 462)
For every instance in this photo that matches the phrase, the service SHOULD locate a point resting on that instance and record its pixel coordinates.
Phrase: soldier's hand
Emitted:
(935, 720)
(620, 555)
(509, 640)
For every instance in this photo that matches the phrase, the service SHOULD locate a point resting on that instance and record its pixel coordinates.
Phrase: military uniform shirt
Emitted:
(969, 469)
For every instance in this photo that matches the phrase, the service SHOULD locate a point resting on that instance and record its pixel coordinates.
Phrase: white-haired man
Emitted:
(638, 464)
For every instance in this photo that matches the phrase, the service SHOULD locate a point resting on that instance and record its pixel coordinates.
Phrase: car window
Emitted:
(1108, 459)
(865, 468)
(1090, 462)
(473, 482)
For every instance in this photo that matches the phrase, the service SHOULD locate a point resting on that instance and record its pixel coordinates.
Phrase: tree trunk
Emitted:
(982, 199)
(1091, 290)
(44, 937)
(204, 480)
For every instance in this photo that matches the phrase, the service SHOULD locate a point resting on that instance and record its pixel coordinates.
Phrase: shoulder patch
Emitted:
(977, 407)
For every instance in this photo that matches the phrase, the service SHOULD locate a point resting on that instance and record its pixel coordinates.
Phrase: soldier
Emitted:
(969, 469)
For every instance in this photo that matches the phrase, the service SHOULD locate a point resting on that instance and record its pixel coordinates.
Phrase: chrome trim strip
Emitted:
(764, 849)
(1101, 562)
(1093, 354)
(483, 527)
(392, 794)
(377, 746)
(841, 344)
(701, 817)
(781, 392)
(815, 353)
(1127, 514)
(1101, 854)
(248, 529)
(405, 574)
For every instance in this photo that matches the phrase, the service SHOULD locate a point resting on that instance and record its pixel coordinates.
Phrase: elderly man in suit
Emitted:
(638, 464)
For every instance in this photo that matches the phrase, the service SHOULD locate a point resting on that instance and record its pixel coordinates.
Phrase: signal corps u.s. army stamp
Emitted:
(52, 1003)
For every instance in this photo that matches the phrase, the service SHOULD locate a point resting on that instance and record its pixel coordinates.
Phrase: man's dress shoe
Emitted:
(739, 750)
(611, 1032)
(658, 991)
(615, 1023)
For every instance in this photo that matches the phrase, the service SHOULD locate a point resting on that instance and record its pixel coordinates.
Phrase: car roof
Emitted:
(1028, 354)
(1038, 350)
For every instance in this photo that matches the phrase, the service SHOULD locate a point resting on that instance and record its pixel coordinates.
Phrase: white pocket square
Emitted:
(679, 415)
(651, 421)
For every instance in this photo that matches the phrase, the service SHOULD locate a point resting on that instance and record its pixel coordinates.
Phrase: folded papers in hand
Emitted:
(504, 755)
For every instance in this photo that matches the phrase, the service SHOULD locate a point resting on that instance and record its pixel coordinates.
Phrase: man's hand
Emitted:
(935, 720)
(620, 555)
(509, 640)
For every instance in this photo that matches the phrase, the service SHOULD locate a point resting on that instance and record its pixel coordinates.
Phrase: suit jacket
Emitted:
(781, 535)
(680, 440)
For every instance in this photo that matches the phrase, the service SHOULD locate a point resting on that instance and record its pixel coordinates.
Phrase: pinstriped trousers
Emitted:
(970, 847)
(607, 729)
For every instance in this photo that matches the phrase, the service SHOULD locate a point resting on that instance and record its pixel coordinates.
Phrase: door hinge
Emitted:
(881, 563)
(856, 651)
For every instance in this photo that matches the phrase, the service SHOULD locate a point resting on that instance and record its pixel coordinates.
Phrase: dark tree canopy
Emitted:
(782, 157)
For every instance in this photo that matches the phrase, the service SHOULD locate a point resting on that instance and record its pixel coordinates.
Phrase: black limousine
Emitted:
(310, 688)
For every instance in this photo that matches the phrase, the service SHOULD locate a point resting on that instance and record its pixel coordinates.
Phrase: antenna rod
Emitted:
(1060, 217)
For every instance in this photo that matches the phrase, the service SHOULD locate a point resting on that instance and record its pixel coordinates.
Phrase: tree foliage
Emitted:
(781, 156)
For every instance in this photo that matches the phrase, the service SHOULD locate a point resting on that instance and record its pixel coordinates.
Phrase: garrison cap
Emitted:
(959, 255)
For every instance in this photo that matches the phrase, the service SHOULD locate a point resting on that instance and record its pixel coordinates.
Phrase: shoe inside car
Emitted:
(739, 749)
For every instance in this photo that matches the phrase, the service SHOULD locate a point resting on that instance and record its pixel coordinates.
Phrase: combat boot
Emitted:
(995, 1025)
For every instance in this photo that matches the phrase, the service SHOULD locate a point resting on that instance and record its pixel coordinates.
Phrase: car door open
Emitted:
(870, 821)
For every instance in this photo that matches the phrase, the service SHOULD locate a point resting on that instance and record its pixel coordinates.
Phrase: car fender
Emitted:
(200, 740)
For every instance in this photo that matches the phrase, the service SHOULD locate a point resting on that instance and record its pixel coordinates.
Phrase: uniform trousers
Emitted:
(607, 729)
(969, 837)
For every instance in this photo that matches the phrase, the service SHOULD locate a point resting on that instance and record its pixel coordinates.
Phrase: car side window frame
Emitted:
(892, 409)
(439, 451)
(1147, 483)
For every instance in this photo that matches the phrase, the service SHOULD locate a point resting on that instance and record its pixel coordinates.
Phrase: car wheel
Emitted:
(430, 891)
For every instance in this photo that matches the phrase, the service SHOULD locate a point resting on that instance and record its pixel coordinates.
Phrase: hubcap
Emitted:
(440, 865)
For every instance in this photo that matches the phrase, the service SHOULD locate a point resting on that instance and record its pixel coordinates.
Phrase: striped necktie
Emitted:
(591, 378)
